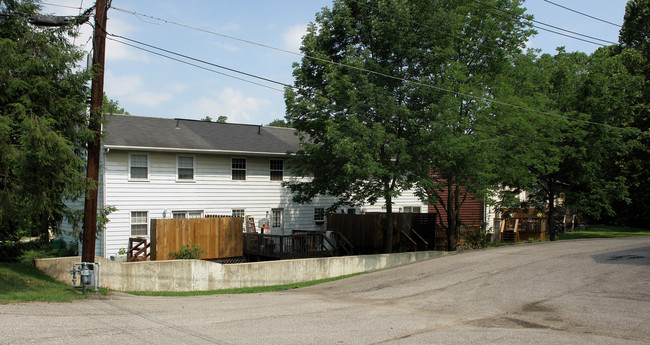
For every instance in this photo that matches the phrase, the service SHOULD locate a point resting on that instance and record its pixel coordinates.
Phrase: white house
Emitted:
(163, 168)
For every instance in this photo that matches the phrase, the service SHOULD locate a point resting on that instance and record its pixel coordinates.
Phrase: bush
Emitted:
(187, 252)
(475, 238)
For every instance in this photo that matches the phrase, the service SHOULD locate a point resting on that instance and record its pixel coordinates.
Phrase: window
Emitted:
(276, 218)
(238, 213)
(139, 223)
(352, 211)
(239, 169)
(138, 166)
(187, 214)
(319, 215)
(411, 209)
(277, 169)
(185, 167)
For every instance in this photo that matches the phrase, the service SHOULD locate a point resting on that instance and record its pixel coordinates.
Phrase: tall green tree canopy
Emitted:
(570, 148)
(635, 49)
(42, 121)
(367, 136)
(110, 106)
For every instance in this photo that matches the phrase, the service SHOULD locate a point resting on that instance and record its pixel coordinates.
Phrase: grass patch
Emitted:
(604, 231)
(260, 289)
(24, 283)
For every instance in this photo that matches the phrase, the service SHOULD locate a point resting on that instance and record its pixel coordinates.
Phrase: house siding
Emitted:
(212, 191)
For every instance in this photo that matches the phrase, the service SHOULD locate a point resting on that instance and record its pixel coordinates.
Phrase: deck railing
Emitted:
(303, 245)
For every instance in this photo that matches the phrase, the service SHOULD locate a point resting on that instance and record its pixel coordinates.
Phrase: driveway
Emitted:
(567, 292)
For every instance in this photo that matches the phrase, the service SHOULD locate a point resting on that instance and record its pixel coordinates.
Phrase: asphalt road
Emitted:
(566, 292)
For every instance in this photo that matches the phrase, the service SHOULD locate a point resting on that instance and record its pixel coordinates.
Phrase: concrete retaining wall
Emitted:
(198, 275)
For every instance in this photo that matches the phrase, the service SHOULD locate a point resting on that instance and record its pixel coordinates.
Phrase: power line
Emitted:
(583, 14)
(339, 64)
(202, 61)
(195, 65)
(548, 25)
(64, 6)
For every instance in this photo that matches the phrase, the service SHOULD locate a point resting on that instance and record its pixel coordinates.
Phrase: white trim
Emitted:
(245, 169)
(272, 170)
(193, 179)
(132, 179)
(186, 150)
(131, 223)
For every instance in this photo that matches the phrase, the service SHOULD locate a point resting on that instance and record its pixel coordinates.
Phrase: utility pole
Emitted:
(94, 124)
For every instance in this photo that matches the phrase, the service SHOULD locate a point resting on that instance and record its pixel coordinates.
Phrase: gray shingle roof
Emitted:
(127, 131)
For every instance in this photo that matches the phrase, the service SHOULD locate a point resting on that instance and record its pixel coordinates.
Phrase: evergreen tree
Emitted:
(42, 121)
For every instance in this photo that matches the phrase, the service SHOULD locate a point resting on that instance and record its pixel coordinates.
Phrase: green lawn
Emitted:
(604, 231)
(25, 283)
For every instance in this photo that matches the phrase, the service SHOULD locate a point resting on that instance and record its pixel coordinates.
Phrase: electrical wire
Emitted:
(64, 6)
(517, 16)
(339, 64)
(583, 14)
(201, 61)
(195, 65)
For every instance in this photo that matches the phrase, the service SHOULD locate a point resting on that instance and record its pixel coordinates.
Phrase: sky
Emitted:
(220, 32)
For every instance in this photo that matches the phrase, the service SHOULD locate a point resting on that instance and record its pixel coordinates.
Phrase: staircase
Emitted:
(508, 236)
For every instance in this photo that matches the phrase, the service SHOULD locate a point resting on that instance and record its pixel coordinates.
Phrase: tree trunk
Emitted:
(550, 221)
(452, 228)
(388, 227)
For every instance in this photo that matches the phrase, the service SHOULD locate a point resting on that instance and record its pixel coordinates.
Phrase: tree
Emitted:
(222, 119)
(367, 136)
(110, 106)
(458, 146)
(635, 49)
(279, 123)
(567, 147)
(42, 121)
(207, 119)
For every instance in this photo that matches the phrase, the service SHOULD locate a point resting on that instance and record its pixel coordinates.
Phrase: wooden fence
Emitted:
(218, 237)
(366, 231)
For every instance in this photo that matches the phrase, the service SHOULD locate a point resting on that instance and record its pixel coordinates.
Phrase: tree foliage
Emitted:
(42, 121)
(366, 136)
(110, 106)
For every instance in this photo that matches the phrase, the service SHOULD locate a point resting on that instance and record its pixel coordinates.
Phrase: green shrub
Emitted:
(475, 238)
(187, 252)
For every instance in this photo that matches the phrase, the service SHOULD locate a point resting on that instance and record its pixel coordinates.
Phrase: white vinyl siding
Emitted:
(212, 191)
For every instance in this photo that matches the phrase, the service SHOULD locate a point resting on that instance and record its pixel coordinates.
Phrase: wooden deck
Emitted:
(305, 245)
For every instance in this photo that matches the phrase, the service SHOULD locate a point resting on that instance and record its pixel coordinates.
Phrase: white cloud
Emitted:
(227, 47)
(231, 103)
(116, 86)
(130, 89)
(293, 37)
(150, 99)
(177, 87)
